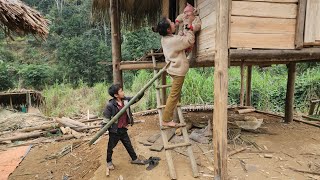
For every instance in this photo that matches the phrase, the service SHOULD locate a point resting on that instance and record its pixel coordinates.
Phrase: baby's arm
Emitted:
(196, 24)
(179, 19)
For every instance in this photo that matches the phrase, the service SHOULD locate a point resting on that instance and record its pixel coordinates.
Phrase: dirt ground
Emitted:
(282, 146)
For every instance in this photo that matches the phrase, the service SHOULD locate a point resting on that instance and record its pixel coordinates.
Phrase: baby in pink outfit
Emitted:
(190, 20)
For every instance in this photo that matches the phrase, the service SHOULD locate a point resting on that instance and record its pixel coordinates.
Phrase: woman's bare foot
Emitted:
(169, 124)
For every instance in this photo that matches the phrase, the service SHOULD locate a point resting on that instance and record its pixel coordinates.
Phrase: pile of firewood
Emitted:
(63, 128)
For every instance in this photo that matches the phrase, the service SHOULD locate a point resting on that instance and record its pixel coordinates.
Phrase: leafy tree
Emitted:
(5, 79)
(37, 76)
(80, 56)
(137, 43)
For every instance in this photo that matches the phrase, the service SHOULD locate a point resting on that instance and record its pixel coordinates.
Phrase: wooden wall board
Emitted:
(206, 10)
(264, 9)
(209, 20)
(266, 41)
(262, 25)
(312, 25)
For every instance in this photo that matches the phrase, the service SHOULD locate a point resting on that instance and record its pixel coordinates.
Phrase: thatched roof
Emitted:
(134, 13)
(18, 17)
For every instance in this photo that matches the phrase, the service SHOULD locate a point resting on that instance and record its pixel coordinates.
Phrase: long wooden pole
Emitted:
(242, 84)
(221, 91)
(115, 38)
(288, 116)
(105, 128)
(248, 91)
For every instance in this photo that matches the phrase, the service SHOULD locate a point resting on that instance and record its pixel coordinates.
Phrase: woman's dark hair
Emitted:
(114, 89)
(162, 27)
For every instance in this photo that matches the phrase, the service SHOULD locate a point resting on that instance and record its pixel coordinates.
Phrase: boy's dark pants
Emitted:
(113, 141)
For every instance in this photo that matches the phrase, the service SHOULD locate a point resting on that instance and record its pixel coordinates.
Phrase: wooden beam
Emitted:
(115, 39)
(221, 91)
(288, 117)
(248, 91)
(165, 8)
(302, 6)
(242, 84)
(275, 55)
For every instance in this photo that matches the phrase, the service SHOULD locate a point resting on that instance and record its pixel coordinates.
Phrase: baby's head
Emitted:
(189, 10)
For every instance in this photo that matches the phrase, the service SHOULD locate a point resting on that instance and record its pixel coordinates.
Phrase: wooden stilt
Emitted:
(288, 117)
(11, 105)
(221, 91)
(242, 85)
(248, 92)
(115, 38)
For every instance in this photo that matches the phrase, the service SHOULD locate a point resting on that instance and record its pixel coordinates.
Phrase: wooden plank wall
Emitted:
(266, 24)
(312, 24)
(205, 43)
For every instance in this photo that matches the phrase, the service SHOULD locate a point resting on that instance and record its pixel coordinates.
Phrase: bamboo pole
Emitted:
(115, 39)
(105, 128)
(221, 91)
(288, 116)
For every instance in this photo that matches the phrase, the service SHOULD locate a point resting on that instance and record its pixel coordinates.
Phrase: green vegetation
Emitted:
(66, 67)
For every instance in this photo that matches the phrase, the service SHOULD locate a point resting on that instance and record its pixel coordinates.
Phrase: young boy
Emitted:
(118, 130)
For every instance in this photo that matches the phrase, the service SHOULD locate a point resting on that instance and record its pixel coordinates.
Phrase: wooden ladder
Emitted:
(168, 146)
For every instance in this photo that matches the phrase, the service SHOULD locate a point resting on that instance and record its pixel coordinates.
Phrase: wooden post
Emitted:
(11, 105)
(220, 115)
(182, 4)
(288, 116)
(29, 100)
(165, 8)
(300, 24)
(248, 92)
(242, 84)
(116, 43)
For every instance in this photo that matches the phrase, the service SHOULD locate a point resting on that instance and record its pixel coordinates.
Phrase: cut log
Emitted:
(63, 130)
(76, 134)
(28, 135)
(242, 111)
(42, 127)
(76, 123)
(90, 120)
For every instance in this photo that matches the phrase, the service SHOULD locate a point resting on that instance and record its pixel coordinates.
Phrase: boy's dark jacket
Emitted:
(112, 109)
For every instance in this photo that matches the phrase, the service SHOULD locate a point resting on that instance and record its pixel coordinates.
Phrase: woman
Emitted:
(174, 51)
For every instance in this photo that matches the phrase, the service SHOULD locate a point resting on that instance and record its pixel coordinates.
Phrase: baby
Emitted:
(190, 20)
(189, 16)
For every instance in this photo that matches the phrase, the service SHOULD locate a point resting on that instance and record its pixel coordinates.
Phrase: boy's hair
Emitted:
(162, 27)
(113, 89)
